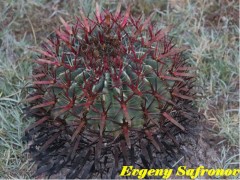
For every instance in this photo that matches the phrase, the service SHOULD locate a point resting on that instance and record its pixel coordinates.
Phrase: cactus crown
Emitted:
(107, 87)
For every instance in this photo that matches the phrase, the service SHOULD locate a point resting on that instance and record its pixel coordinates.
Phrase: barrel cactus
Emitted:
(106, 92)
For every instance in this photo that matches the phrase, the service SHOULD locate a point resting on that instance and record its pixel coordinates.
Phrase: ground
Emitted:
(209, 28)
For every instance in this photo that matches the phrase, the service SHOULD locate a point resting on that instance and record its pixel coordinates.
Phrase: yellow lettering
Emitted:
(190, 172)
(197, 172)
(135, 172)
(126, 171)
(167, 173)
(181, 171)
(211, 172)
(203, 172)
(235, 172)
(151, 172)
(142, 173)
(228, 172)
(159, 172)
(219, 172)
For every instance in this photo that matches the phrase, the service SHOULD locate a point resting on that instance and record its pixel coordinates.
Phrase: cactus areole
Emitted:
(107, 92)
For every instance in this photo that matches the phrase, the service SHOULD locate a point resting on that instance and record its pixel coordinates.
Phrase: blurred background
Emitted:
(209, 28)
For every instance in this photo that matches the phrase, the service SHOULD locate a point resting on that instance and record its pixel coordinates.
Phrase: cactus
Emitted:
(106, 92)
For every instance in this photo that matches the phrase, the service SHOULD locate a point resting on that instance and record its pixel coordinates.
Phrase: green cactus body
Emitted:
(107, 88)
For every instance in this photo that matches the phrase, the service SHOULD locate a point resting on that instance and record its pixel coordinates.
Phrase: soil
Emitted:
(205, 150)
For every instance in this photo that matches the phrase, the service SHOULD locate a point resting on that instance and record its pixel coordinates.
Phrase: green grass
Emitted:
(14, 71)
(209, 28)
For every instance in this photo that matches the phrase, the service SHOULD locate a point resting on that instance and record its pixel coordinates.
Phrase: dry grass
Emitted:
(210, 28)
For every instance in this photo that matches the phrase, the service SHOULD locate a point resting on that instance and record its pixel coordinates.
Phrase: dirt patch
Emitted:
(205, 148)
